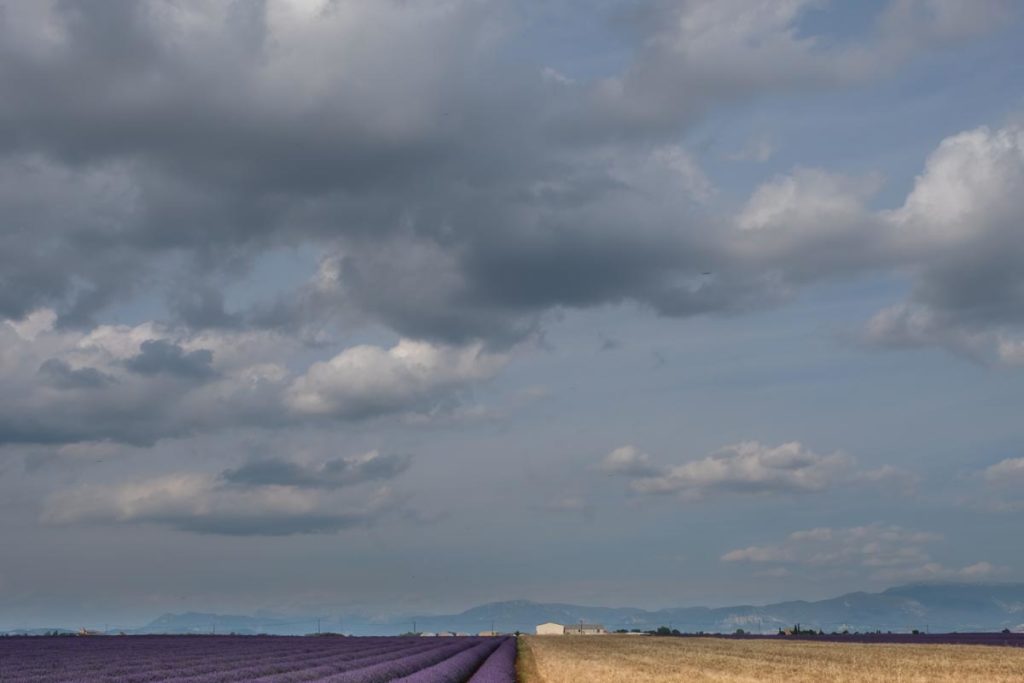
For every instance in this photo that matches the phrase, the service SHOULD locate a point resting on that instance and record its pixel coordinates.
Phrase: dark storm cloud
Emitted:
(333, 473)
(161, 357)
(270, 525)
(466, 194)
(58, 373)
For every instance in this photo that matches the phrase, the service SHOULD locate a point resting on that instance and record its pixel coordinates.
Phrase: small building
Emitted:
(489, 634)
(582, 629)
(550, 629)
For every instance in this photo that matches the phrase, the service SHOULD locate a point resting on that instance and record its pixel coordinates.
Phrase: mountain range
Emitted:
(935, 607)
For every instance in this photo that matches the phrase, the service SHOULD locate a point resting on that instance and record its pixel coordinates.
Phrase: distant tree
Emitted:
(676, 632)
(1007, 631)
(740, 632)
(663, 631)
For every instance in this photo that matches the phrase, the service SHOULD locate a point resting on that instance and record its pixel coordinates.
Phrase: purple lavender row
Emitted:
(248, 674)
(43, 646)
(266, 674)
(145, 667)
(216, 671)
(195, 645)
(127, 665)
(389, 671)
(88, 651)
(454, 669)
(321, 672)
(500, 667)
(339, 661)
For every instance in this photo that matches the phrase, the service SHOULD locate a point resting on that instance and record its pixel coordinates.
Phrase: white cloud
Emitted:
(409, 377)
(705, 51)
(750, 468)
(628, 461)
(959, 233)
(934, 571)
(758, 554)
(1003, 482)
(204, 503)
(808, 201)
(138, 384)
(881, 552)
(812, 224)
(968, 185)
(1009, 471)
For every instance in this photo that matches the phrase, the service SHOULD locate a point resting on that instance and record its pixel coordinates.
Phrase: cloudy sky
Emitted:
(405, 306)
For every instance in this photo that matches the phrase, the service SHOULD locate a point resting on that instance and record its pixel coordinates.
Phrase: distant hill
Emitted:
(935, 607)
(938, 607)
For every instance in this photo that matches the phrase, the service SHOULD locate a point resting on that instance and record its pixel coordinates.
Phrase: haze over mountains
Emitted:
(934, 607)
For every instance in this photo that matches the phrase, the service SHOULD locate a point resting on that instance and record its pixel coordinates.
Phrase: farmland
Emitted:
(606, 659)
(267, 659)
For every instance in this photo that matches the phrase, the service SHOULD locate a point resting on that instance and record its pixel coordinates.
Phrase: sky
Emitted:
(401, 307)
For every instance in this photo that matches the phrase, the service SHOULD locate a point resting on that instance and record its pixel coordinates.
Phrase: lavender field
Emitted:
(266, 659)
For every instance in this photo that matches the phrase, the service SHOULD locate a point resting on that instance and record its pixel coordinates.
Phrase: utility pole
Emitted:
(414, 626)
(318, 625)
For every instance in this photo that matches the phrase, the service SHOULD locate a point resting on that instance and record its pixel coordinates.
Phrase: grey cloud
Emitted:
(200, 503)
(330, 474)
(161, 357)
(60, 374)
(253, 525)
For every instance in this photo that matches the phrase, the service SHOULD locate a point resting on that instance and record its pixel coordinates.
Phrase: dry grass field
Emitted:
(602, 659)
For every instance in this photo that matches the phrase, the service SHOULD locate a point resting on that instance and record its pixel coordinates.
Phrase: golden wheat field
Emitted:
(602, 659)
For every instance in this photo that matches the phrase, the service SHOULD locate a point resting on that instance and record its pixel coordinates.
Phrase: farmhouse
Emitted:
(580, 629)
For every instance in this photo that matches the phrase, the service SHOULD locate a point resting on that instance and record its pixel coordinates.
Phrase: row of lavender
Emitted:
(265, 659)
